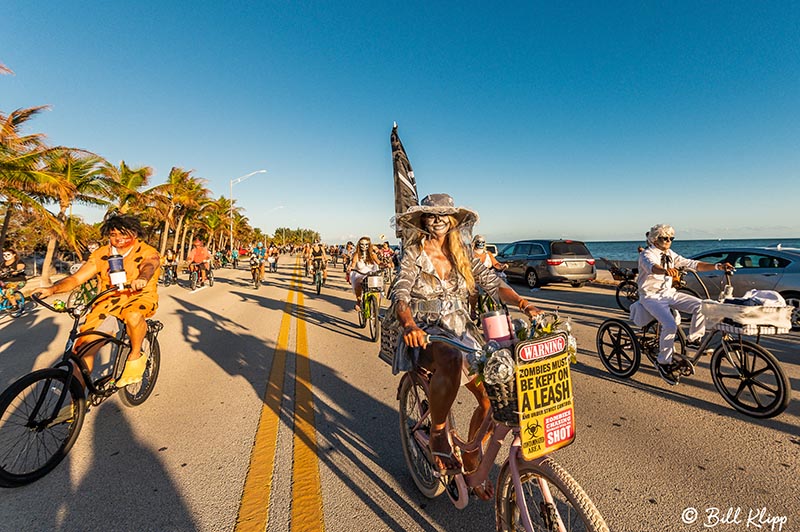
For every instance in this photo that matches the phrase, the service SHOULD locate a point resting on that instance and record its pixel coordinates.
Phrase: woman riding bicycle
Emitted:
(486, 256)
(437, 274)
(319, 260)
(132, 305)
(170, 262)
(658, 265)
(363, 262)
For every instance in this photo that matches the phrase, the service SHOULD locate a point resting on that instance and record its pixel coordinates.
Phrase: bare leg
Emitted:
(472, 459)
(445, 362)
(136, 365)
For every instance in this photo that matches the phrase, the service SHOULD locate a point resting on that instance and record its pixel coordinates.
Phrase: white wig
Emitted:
(659, 230)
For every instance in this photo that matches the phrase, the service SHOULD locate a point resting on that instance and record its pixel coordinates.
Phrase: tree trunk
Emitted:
(51, 249)
(178, 231)
(6, 222)
(183, 242)
(165, 234)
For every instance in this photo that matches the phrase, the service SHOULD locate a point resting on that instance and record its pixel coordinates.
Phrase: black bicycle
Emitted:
(41, 414)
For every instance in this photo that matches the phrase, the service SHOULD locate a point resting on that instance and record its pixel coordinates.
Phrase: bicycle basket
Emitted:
(747, 320)
(503, 398)
(374, 282)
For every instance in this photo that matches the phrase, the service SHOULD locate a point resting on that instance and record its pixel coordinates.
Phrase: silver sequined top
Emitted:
(436, 301)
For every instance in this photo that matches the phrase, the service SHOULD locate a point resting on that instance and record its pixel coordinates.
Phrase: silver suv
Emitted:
(539, 262)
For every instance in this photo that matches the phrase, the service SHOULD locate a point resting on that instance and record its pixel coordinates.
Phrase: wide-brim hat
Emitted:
(437, 204)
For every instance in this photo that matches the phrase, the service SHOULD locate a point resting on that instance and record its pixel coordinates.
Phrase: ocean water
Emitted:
(627, 250)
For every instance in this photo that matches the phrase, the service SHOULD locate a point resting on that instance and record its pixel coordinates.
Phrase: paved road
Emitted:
(272, 411)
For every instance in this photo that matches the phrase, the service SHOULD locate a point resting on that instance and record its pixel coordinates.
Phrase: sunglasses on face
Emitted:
(666, 238)
(434, 217)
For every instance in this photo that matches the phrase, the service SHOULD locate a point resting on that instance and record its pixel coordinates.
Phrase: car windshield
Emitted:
(569, 248)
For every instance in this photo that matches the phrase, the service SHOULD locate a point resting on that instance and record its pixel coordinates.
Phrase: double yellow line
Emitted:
(306, 492)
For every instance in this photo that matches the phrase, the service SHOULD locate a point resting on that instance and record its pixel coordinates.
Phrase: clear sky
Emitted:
(586, 120)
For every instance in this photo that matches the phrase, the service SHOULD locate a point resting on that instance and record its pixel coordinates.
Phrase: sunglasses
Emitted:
(666, 238)
(436, 217)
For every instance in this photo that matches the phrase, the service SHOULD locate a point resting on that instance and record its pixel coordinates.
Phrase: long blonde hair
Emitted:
(456, 249)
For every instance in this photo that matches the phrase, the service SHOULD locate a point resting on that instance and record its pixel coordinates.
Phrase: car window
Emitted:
(537, 249)
(714, 258)
(523, 249)
(569, 248)
(758, 260)
(509, 250)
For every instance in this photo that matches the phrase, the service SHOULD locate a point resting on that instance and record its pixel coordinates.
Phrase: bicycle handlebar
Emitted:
(40, 301)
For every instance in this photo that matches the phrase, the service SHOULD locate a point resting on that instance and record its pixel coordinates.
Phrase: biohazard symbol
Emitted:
(533, 430)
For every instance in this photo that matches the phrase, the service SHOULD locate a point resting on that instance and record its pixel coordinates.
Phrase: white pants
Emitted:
(661, 307)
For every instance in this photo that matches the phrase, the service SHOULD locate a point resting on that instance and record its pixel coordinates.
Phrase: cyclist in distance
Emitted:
(273, 252)
(386, 255)
(170, 261)
(319, 260)
(437, 275)
(261, 253)
(362, 262)
(12, 275)
(485, 256)
(199, 258)
(131, 305)
(658, 265)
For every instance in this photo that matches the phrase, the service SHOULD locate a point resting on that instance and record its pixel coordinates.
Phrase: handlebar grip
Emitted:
(42, 302)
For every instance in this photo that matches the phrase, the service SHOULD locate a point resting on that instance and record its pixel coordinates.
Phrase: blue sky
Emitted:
(587, 120)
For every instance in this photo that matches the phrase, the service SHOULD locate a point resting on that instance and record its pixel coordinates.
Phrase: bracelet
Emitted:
(525, 303)
(717, 266)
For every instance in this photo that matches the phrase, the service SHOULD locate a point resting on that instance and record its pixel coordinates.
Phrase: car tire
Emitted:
(531, 278)
(793, 299)
(578, 284)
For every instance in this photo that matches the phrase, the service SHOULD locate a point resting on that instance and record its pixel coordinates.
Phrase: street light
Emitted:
(233, 182)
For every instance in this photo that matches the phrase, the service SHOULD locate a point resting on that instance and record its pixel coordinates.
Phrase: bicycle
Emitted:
(745, 374)
(194, 276)
(255, 271)
(169, 273)
(531, 494)
(273, 263)
(318, 277)
(371, 291)
(12, 301)
(36, 432)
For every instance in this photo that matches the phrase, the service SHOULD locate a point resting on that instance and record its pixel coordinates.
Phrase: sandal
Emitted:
(440, 465)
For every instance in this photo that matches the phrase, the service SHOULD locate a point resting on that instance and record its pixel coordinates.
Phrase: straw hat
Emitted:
(437, 204)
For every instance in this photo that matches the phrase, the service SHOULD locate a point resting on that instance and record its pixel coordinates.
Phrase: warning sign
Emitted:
(544, 388)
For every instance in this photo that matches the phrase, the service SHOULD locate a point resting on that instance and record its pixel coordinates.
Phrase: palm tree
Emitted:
(22, 176)
(80, 178)
(127, 186)
(180, 189)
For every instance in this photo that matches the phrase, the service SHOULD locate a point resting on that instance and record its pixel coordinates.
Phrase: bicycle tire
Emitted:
(318, 282)
(256, 278)
(210, 278)
(372, 316)
(362, 320)
(750, 367)
(135, 394)
(627, 294)
(16, 403)
(569, 503)
(193, 280)
(16, 312)
(413, 405)
(649, 341)
(618, 348)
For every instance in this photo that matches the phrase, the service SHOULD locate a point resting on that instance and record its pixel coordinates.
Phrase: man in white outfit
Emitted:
(658, 264)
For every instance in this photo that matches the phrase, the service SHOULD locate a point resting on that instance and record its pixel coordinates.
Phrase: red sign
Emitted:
(545, 347)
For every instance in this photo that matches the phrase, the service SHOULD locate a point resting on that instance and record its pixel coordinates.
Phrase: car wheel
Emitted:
(793, 299)
(531, 278)
(577, 284)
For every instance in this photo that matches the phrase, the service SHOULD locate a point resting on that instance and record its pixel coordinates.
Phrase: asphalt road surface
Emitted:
(273, 412)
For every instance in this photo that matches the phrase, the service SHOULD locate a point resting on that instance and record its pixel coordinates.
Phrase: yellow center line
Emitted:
(306, 492)
(254, 505)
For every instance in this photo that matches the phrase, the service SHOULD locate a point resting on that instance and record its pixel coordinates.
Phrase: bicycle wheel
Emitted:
(627, 295)
(17, 310)
(210, 278)
(618, 348)
(193, 280)
(362, 320)
(373, 307)
(136, 394)
(318, 281)
(414, 413)
(551, 495)
(750, 379)
(29, 447)
(256, 278)
(649, 340)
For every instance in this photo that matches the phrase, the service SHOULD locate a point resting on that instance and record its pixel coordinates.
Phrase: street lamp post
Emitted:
(233, 182)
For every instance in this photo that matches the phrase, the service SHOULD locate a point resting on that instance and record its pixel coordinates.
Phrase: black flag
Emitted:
(405, 186)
